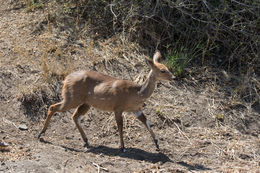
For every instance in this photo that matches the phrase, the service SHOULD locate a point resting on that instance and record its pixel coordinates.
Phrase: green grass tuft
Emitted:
(179, 56)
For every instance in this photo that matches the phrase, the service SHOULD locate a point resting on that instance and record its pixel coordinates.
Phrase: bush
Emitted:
(222, 34)
(226, 31)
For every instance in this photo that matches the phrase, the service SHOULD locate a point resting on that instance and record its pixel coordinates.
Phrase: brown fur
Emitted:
(84, 89)
(100, 91)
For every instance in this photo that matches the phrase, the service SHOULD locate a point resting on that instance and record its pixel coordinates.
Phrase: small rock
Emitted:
(68, 137)
(4, 147)
(23, 127)
(4, 144)
(244, 156)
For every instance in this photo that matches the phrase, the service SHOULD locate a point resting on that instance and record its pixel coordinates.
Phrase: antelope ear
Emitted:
(157, 56)
(149, 61)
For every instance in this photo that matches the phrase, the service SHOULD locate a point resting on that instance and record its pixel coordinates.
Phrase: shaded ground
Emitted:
(199, 125)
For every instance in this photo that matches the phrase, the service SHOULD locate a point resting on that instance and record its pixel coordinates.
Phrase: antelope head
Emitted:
(160, 71)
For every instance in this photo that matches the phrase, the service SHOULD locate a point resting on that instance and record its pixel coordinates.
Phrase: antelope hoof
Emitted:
(122, 149)
(156, 144)
(40, 134)
(86, 144)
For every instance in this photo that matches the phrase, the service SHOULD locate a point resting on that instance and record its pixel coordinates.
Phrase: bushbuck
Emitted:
(84, 89)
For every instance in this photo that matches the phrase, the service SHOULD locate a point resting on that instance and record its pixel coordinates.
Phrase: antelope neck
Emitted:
(148, 86)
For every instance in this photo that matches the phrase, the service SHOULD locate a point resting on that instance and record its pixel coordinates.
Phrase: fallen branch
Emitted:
(99, 167)
(9, 122)
(180, 131)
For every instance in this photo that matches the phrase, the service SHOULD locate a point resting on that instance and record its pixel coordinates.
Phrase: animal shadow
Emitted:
(131, 153)
(196, 167)
(45, 142)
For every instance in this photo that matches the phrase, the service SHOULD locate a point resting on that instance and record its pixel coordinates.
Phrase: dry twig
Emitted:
(99, 167)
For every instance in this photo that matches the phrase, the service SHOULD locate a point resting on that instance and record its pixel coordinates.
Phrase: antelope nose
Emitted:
(172, 77)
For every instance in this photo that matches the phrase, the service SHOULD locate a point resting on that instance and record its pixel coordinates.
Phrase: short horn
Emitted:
(157, 55)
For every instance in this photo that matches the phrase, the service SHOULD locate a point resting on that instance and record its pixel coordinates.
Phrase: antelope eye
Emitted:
(163, 71)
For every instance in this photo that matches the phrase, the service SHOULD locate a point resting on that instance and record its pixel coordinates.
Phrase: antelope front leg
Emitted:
(81, 110)
(140, 116)
(119, 121)
(52, 109)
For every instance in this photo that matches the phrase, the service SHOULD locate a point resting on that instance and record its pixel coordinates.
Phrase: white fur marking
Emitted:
(77, 73)
(138, 114)
(79, 119)
(139, 93)
(148, 125)
(89, 93)
(114, 84)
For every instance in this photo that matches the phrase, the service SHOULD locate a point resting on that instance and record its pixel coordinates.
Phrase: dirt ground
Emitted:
(200, 124)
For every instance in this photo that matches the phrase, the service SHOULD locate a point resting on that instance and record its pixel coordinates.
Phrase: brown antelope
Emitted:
(84, 89)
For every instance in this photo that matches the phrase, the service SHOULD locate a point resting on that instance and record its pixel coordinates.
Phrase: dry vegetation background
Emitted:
(207, 119)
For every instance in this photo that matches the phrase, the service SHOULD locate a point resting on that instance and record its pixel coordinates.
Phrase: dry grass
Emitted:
(195, 117)
(232, 151)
